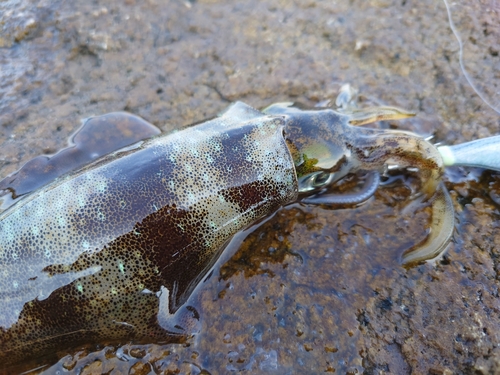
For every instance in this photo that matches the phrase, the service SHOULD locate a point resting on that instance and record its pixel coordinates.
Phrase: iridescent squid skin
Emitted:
(113, 250)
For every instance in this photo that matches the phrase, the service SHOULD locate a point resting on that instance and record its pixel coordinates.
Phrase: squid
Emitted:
(114, 249)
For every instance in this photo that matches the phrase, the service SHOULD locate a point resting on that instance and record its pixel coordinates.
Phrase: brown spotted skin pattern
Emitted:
(114, 250)
(110, 251)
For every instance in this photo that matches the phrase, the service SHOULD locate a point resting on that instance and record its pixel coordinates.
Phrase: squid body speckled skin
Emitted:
(113, 250)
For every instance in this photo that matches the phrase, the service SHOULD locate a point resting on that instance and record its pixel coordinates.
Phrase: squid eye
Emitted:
(320, 179)
(315, 181)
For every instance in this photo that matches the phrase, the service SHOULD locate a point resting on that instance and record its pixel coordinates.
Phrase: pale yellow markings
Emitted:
(100, 215)
(191, 197)
(176, 146)
(8, 231)
(67, 188)
(35, 230)
(81, 201)
(39, 207)
(102, 186)
(59, 203)
(219, 218)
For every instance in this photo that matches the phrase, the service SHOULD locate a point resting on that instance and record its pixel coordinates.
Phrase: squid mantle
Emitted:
(113, 250)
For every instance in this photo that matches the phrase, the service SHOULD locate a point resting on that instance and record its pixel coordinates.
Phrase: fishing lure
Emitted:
(113, 250)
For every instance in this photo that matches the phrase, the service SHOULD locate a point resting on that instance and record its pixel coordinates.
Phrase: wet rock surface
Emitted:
(311, 289)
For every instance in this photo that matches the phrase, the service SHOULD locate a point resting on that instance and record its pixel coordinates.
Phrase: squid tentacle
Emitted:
(370, 186)
(374, 148)
(441, 230)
